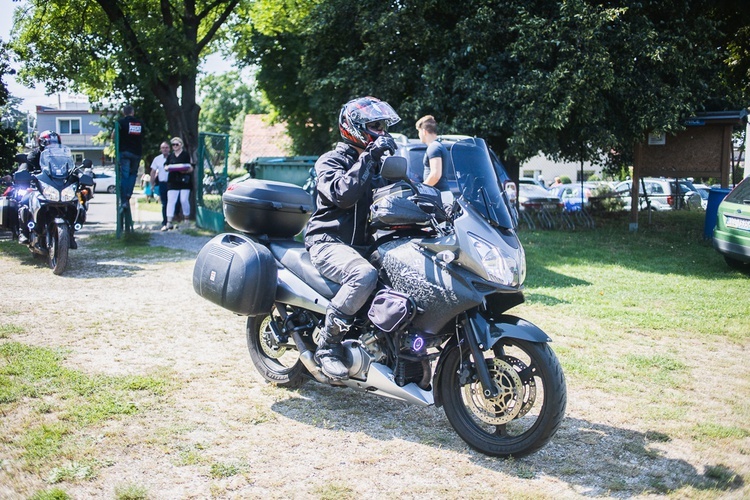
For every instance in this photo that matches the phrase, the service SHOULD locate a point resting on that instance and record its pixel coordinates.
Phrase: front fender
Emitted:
(488, 333)
(505, 326)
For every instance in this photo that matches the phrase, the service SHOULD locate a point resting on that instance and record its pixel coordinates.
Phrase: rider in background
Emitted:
(46, 139)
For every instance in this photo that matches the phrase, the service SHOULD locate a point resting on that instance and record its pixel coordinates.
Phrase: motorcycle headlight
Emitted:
(69, 193)
(500, 266)
(49, 192)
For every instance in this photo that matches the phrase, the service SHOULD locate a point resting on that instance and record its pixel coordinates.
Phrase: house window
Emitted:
(78, 157)
(69, 125)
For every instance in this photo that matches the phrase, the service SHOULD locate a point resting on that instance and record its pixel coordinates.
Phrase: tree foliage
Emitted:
(223, 97)
(572, 79)
(144, 51)
(10, 137)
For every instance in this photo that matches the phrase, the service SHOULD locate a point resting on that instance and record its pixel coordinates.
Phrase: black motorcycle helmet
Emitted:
(359, 116)
(48, 137)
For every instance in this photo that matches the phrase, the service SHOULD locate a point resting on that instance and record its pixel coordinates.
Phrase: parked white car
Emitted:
(104, 180)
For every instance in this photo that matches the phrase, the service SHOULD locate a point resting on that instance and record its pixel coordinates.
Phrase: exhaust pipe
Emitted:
(308, 359)
(77, 226)
(31, 225)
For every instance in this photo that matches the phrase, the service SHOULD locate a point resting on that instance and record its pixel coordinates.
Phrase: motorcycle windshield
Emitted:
(478, 182)
(57, 162)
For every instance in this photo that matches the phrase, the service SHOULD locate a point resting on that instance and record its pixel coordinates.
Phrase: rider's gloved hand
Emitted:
(380, 146)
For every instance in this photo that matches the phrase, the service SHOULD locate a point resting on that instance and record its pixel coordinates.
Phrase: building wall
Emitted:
(549, 169)
(81, 144)
(694, 152)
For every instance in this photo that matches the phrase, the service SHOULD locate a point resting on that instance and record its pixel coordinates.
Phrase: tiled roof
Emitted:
(261, 139)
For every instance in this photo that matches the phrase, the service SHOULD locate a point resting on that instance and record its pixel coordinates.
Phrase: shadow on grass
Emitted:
(597, 459)
(101, 255)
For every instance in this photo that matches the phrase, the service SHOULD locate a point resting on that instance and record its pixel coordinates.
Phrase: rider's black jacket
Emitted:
(344, 195)
(32, 160)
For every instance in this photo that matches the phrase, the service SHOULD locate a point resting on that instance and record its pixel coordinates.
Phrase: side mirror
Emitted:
(21, 158)
(394, 168)
(87, 163)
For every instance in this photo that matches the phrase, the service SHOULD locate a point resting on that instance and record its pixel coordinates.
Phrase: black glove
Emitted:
(380, 146)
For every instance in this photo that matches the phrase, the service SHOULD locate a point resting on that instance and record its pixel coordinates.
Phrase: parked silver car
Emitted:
(661, 193)
(104, 180)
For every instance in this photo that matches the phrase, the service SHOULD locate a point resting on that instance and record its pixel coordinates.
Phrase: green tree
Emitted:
(116, 50)
(10, 137)
(223, 97)
(572, 79)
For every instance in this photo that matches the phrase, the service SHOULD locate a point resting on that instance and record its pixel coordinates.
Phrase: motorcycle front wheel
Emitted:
(58, 243)
(528, 409)
(277, 362)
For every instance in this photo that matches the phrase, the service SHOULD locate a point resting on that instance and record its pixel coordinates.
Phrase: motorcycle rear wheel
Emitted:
(58, 243)
(526, 413)
(278, 364)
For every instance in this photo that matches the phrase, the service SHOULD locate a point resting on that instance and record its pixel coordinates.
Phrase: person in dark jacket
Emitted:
(346, 178)
(179, 181)
(131, 150)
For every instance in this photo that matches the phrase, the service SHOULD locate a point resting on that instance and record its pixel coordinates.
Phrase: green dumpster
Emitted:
(292, 169)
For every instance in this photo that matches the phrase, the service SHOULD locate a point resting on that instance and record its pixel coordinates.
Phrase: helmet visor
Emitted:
(366, 110)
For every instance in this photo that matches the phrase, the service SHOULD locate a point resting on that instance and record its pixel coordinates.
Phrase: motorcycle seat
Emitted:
(294, 256)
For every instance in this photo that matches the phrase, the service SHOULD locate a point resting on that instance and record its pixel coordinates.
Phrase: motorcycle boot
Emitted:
(330, 352)
(24, 216)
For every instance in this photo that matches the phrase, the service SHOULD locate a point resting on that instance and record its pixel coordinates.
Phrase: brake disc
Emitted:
(267, 342)
(507, 404)
(529, 386)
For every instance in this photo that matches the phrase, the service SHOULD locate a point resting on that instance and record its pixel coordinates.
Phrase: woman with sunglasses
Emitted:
(179, 181)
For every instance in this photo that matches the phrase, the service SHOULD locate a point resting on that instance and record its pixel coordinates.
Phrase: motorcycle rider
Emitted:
(346, 177)
(46, 139)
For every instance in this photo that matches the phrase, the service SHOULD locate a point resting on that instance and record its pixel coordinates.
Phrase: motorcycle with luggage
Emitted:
(437, 330)
(49, 205)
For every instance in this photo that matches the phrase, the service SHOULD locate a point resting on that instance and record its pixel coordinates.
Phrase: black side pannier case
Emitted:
(236, 273)
(272, 208)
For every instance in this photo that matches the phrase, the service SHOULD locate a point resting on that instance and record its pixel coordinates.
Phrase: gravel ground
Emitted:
(222, 432)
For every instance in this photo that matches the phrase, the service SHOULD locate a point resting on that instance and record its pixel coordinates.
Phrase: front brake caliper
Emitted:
(466, 373)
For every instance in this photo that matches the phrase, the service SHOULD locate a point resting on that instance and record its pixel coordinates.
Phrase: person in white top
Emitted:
(159, 178)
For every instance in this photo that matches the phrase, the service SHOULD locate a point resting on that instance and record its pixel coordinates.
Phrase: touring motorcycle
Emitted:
(435, 332)
(51, 205)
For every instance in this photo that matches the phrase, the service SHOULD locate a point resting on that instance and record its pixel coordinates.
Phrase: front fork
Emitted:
(489, 388)
(480, 333)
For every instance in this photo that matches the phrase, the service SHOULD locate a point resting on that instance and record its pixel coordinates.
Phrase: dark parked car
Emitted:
(732, 231)
(535, 198)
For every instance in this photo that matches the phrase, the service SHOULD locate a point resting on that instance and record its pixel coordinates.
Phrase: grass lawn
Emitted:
(651, 327)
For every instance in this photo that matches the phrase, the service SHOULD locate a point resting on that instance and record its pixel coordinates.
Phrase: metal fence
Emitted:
(211, 180)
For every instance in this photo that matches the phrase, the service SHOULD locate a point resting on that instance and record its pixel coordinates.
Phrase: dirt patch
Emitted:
(220, 431)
